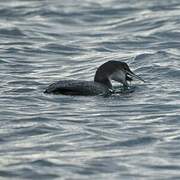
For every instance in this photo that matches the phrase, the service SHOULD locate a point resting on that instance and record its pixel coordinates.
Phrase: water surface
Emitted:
(125, 136)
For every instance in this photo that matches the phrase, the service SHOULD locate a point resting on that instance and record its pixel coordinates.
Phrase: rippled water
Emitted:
(125, 136)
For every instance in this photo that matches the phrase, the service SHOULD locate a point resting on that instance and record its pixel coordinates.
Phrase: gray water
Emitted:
(124, 136)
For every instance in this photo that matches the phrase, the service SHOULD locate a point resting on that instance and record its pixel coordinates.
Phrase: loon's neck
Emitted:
(102, 77)
(104, 81)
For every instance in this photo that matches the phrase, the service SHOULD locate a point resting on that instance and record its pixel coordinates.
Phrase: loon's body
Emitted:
(111, 70)
(77, 87)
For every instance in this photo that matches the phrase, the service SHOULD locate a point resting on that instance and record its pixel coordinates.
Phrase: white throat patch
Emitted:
(119, 76)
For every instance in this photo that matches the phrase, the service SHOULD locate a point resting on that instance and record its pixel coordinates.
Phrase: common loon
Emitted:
(111, 70)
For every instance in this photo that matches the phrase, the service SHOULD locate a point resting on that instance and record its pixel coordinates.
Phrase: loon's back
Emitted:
(77, 87)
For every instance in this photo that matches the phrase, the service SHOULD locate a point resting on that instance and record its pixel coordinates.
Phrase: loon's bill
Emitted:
(134, 75)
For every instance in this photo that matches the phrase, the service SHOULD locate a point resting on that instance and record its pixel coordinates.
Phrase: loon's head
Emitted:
(114, 70)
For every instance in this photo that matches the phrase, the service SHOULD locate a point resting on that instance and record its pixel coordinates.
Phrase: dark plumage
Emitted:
(76, 87)
(111, 70)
